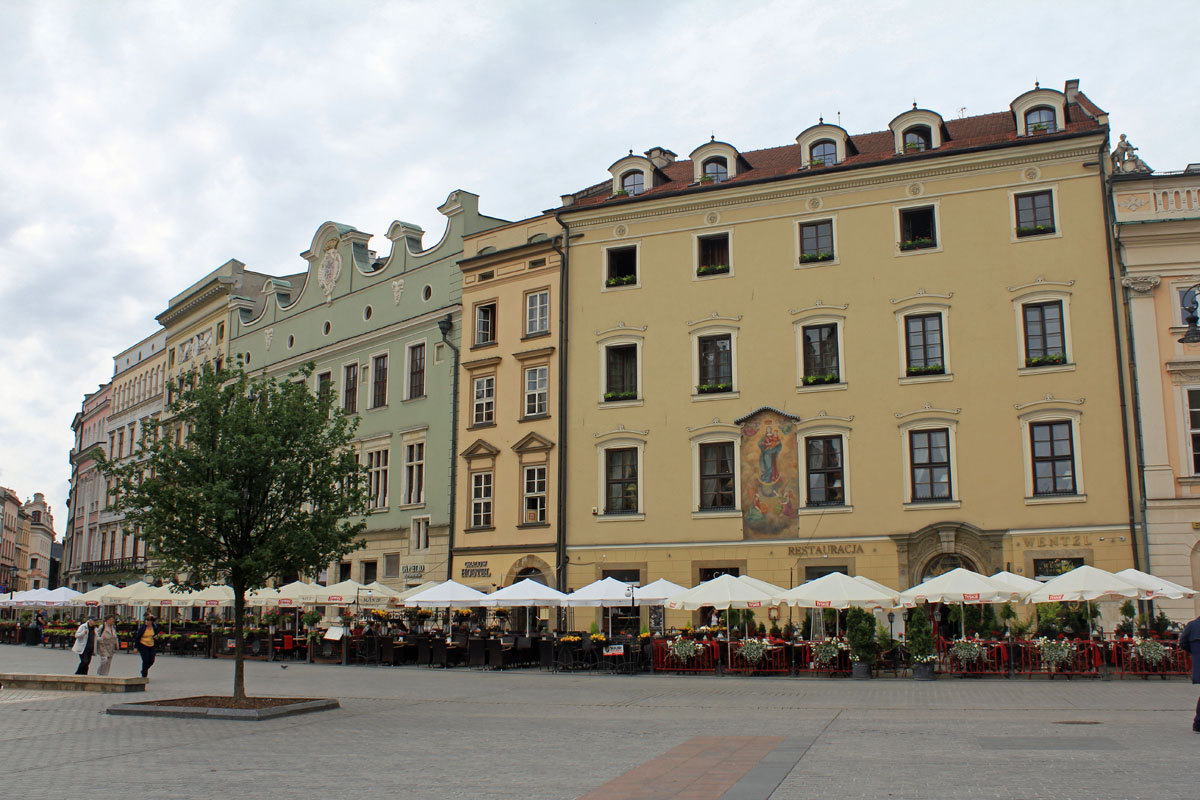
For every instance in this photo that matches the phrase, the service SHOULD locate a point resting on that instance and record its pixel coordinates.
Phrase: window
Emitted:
(344, 571)
(1187, 298)
(621, 480)
(929, 451)
(1035, 214)
(825, 470)
(377, 478)
(414, 473)
(220, 332)
(923, 344)
(324, 384)
(350, 392)
(716, 477)
(416, 370)
(391, 565)
(379, 370)
(535, 496)
(536, 391)
(621, 372)
(823, 154)
(716, 364)
(1053, 457)
(712, 254)
(816, 241)
(716, 169)
(420, 533)
(820, 354)
(633, 182)
(917, 139)
(537, 313)
(1046, 568)
(481, 500)
(484, 411)
(1040, 120)
(171, 357)
(485, 324)
(708, 573)
(370, 572)
(917, 231)
(1044, 340)
(1193, 400)
(621, 269)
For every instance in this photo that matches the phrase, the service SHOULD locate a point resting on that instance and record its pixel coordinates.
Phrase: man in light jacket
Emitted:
(1190, 640)
(85, 645)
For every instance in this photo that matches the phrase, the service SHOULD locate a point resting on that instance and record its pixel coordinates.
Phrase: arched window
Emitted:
(1040, 120)
(823, 153)
(917, 139)
(633, 182)
(716, 169)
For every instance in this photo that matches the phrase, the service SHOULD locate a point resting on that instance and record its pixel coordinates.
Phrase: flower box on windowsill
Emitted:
(1034, 230)
(621, 280)
(817, 163)
(616, 397)
(920, 243)
(620, 193)
(712, 269)
(1040, 127)
(913, 147)
(706, 179)
(821, 380)
(813, 258)
(714, 388)
(1054, 359)
(931, 369)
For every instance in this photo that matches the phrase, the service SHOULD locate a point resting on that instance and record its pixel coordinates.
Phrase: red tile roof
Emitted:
(985, 130)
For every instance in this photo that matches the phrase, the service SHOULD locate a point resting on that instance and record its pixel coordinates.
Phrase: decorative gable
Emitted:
(533, 443)
(480, 449)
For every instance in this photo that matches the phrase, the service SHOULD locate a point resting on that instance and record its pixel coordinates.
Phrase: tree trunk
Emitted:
(239, 640)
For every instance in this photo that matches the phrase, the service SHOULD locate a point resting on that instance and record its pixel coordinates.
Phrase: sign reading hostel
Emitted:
(825, 550)
(475, 569)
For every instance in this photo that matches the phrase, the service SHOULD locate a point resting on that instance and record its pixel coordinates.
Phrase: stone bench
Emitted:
(71, 683)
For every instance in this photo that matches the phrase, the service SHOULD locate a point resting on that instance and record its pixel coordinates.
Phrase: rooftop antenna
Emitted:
(712, 137)
(914, 104)
(839, 119)
(821, 120)
(962, 111)
(1036, 84)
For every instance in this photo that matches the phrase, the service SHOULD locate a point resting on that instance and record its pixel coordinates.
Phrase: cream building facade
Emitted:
(89, 492)
(509, 420)
(885, 354)
(1158, 242)
(10, 533)
(41, 541)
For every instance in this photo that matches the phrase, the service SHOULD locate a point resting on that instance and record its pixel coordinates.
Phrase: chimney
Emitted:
(1071, 89)
(660, 156)
(567, 200)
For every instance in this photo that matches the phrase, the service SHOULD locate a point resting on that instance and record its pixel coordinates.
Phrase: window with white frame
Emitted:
(1193, 402)
(350, 388)
(825, 470)
(923, 340)
(481, 500)
(621, 266)
(621, 480)
(821, 353)
(420, 533)
(816, 241)
(391, 565)
(537, 313)
(1045, 335)
(537, 381)
(377, 478)
(414, 473)
(633, 182)
(534, 495)
(1035, 213)
(823, 153)
(930, 465)
(620, 371)
(485, 324)
(484, 405)
(714, 363)
(712, 254)
(416, 370)
(379, 378)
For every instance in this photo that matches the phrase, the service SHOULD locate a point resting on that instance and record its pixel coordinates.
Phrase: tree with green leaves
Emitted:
(247, 479)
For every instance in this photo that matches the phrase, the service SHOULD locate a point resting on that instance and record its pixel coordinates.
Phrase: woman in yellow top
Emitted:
(144, 638)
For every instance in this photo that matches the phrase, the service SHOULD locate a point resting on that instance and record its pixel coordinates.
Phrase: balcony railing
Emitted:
(113, 565)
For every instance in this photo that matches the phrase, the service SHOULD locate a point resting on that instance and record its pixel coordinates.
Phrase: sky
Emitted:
(145, 144)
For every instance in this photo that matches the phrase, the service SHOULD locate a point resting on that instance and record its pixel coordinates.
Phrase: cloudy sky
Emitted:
(144, 144)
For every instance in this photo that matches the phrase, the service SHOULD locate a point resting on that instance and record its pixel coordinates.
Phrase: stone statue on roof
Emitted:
(1124, 159)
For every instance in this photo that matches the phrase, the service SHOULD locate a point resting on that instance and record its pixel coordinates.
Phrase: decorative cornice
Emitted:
(1142, 284)
(921, 294)
(480, 363)
(527, 355)
(621, 429)
(716, 315)
(1041, 281)
(622, 328)
(818, 306)
(1049, 398)
(927, 408)
(742, 419)
(173, 314)
(822, 416)
(716, 423)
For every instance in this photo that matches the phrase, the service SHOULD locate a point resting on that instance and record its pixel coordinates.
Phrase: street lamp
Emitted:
(1192, 335)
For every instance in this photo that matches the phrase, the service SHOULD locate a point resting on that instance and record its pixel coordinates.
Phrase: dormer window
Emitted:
(633, 182)
(1040, 120)
(823, 154)
(918, 139)
(716, 169)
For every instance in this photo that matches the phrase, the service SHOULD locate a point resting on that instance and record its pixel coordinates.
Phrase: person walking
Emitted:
(144, 638)
(1189, 640)
(85, 645)
(106, 644)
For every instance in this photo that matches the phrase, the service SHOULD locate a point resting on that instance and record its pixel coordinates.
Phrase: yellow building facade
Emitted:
(887, 354)
(507, 525)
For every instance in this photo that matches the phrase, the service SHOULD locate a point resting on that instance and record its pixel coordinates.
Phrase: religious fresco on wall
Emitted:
(770, 476)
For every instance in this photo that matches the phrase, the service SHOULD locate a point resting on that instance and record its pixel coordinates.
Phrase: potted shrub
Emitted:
(816, 163)
(1047, 360)
(1039, 127)
(821, 380)
(811, 258)
(860, 635)
(612, 397)
(620, 193)
(706, 179)
(912, 147)
(919, 636)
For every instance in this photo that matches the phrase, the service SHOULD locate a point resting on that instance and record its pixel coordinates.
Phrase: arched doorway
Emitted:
(945, 562)
(529, 568)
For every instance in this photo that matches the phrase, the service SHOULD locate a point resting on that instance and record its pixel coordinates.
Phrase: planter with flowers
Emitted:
(919, 636)
(860, 636)
(1055, 652)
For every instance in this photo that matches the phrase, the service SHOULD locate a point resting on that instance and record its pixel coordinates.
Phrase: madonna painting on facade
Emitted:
(770, 475)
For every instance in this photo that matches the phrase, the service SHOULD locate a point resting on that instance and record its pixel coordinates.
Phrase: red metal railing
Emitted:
(1126, 660)
(804, 660)
(704, 661)
(1087, 659)
(995, 659)
(775, 661)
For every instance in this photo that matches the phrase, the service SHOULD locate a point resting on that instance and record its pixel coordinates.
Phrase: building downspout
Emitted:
(564, 279)
(445, 325)
(1114, 287)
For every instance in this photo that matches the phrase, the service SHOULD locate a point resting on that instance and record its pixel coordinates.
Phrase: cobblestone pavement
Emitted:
(420, 733)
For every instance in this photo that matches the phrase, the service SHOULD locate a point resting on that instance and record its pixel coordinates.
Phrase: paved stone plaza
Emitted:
(420, 733)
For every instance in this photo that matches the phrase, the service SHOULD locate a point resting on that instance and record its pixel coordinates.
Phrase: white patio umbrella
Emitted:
(776, 593)
(1025, 585)
(17, 597)
(1161, 587)
(346, 593)
(450, 594)
(416, 590)
(960, 586)
(381, 590)
(264, 597)
(297, 593)
(656, 592)
(836, 590)
(889, 591)
(528, 593)
(209, 597)
(94, 597)
(61, 596)
(1084, 584)
(32, 597)
(722, 592)
(604, 593)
